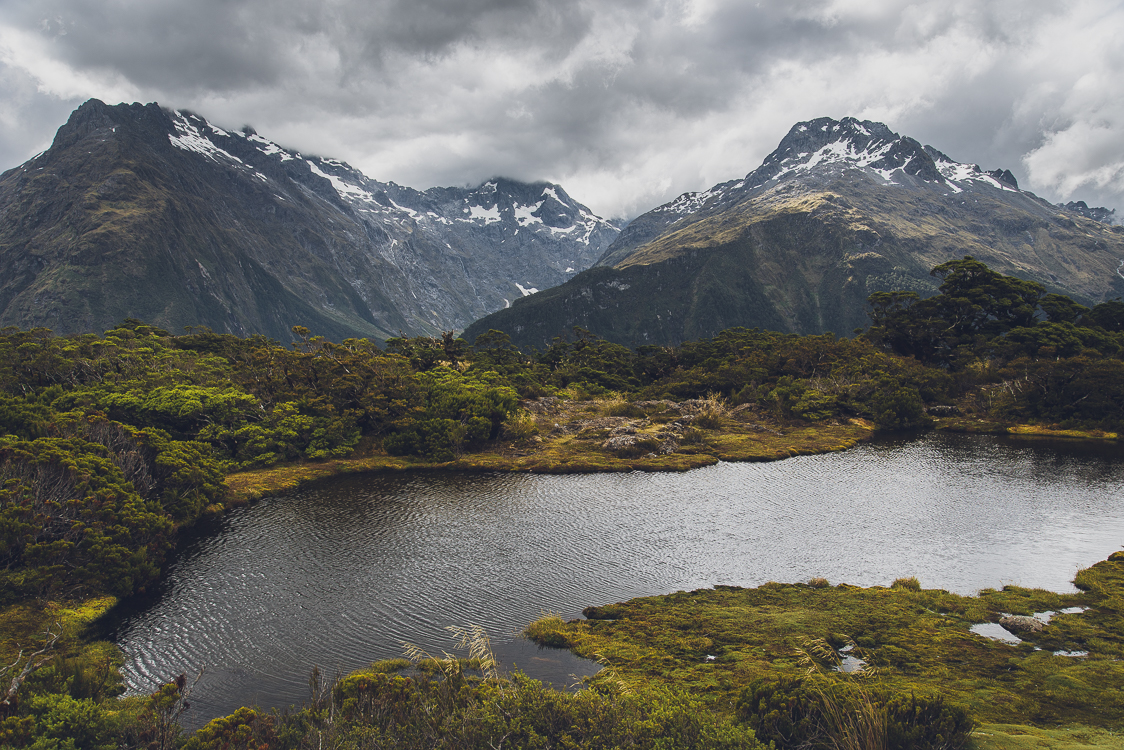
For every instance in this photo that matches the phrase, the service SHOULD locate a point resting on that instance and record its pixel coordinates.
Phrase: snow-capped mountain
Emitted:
(814, 155)
(840, 209)
(229, 229)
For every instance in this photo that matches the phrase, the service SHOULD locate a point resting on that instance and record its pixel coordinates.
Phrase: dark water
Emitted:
(340, 575)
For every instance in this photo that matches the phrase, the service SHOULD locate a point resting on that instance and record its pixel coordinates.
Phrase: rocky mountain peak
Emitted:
(1096, 213)
(825, 144)
(96, 118)
(814, 156)
(141, 211)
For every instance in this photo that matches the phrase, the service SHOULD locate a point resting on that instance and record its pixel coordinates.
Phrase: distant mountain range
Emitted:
(841, 209)
(138, 211)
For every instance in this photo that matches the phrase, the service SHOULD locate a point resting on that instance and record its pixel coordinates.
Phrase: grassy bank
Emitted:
(558, 436)
(1061, 683)
(571, 437)
(976, 425)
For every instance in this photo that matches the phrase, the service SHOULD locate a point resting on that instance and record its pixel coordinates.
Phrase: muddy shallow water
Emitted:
(342, 574)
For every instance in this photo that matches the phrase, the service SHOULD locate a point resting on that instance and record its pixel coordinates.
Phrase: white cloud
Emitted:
(34, 54)
(1078, 101)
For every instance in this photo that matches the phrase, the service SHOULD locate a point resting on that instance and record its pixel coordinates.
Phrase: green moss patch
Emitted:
(716, 642)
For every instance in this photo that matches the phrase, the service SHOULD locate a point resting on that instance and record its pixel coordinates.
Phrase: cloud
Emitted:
(627, 103)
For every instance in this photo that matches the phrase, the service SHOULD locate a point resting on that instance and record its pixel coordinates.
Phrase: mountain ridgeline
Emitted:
(138, 211)
(840, 210)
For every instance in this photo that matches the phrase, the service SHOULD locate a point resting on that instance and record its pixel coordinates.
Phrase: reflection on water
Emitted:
(342, 574)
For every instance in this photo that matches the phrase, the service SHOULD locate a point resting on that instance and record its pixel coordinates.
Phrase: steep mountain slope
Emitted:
(839, 210)
(144, 212)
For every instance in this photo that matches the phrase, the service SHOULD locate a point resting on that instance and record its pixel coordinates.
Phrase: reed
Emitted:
(850, 716)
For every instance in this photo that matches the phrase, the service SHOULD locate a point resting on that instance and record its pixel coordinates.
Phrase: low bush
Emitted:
(828, 713)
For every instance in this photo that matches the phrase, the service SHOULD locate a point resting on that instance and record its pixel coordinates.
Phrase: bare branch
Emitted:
(34, 660)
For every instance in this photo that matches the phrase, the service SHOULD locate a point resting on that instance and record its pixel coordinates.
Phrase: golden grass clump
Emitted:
(520, 425)
(713, 413)
(911, 583)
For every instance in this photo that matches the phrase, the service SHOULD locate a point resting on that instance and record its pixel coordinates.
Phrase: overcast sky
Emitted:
(626, 103)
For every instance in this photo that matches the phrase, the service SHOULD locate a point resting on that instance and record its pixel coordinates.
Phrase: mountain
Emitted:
(139, 211)
(841, 209)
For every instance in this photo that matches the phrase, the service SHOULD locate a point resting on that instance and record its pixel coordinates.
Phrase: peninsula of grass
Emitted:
(1062, 682)
(573, 437)
(561, 436)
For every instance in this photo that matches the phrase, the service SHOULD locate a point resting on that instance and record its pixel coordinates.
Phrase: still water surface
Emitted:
(340, 575)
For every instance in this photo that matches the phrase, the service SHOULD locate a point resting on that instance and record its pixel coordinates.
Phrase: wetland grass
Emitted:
(919, 641)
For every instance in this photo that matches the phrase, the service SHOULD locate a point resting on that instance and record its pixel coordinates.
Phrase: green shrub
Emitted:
(63, 722)
(896, 407)
(824, 712)
(816, 406)
(245, 729)
(464, 713)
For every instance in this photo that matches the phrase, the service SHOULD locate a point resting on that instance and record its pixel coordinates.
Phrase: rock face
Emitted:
(1105, 215)
(841, 209)
(138, 211)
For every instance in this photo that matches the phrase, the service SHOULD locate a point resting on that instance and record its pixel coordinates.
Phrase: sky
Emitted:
(625, 103)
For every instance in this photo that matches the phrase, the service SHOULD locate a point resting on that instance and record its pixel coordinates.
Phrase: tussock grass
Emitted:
(520, 426)
(473, 639)
(548, 631)
(713, 414)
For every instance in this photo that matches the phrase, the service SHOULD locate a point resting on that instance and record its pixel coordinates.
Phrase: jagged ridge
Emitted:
(839, 210)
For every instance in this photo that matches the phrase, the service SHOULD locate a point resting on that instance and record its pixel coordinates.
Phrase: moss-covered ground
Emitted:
(26, 627)
(715, 642)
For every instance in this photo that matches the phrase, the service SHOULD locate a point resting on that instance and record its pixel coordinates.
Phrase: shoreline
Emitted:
(919, 641)
(577, 451)
(902, 674)
(565, 455)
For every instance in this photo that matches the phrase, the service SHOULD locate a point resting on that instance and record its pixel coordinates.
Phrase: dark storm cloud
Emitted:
(627, 103)
(226, 45)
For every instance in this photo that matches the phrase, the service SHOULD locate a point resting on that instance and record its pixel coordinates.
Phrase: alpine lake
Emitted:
(347, 571)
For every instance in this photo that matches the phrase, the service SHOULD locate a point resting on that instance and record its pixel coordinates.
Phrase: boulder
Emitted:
(1021, 625)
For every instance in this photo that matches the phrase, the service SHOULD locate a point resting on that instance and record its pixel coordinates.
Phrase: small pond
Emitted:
(340, 575)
